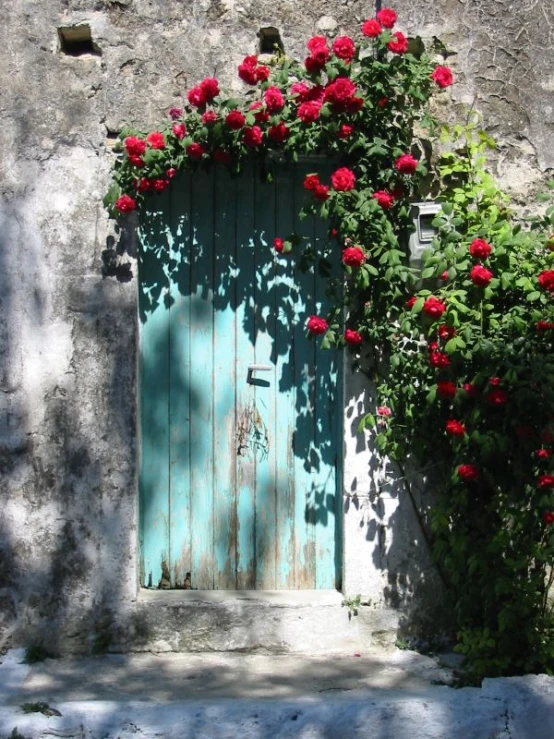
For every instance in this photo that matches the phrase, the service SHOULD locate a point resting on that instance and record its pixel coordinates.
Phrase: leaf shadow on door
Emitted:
(239, 479)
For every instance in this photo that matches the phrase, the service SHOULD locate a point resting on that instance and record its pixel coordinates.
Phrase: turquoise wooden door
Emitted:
(240, 423)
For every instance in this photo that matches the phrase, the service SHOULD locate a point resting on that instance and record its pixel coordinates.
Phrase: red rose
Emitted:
(209, 118)
(467, 472)
(262, 74)
(317, 325)
(479, 249)
(252, 137)
(235, 120)
(353, 256)
(354, 105)
(195, 151)
(321, 192)
(371, 29)
(455, 428)
(300, 90)
(142, 185)
(469, 390)
(446, 390)
(446, 332)
(400, 46)
(546, 280)
(385, 199)
(278, 245)
(155, 140)
(544, 326)
(480, 276)
(386, 17)
(171, 172)
(313, 66)
(548, 518)
(222, 157)
(444, 276)
(197, 97)
(179, 130)
(434, 308)
(309, 112)
(260, 113)
(439, 360)
(316, 42)
(433, 347)
(175, 113)
(411, 302)
(343, 180)
(160, 185)
(274, 100)
(278, 133)
(210, 88)
(495, 382)
(545, 482)
(442, 76)
(247, 70)
(344, 131)
(543, 454)
(311, 181)
(125, 204)
(340, 92)
(353, 338)
(135, 161)
(383, 102)
(406, 164)
(496, 398)
(384, 412)
(343, 48)
(134, 146)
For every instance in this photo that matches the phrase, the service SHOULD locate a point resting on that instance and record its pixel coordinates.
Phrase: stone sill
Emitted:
(279, 598)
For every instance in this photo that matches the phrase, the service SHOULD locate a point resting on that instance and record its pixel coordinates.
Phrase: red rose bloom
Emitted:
(278, 245)
(383, 102)
(247, 70)
(142, 185)
(480, 276)
(467, 472)
(274, 100)
(210, 88)
(479, 249)
(353, 256)
(222, 157)
(446, 390)
(546, 280)
(444, 276)
(469, 390)
(311, 181)
(434, 308)
(400, 46)
(384, 412)
(316, 42)
(321, 192)
(543, 454)
(446, 332)
(343, 180)
(134, 146)
(309, 112)
(548, 518)
(175, 113)
(495, 382)
(496, 398)
(260, 113)
(235, 120)
(197, 97)
(344, 131)
(317, 325)
(354, 105)
(411, 302)
(179, 130)
(160, 185)
(455, 428)
(155, 140)
(278, 133)
(385, 199)
(439, 360)
(195, 151)
(406, 164)
(262, 74)
(300, 90)
(353, 338)
(135, 161)
(343, 48)
(171, 172)
(442, 76)
(252, 137)
(339, 93)
(545, 482)
(387, 17)
(371, 29)
(125, 204)
(544, 326)
(209, 118)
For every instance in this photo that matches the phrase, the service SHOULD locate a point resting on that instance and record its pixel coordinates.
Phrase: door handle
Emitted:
(251, 380)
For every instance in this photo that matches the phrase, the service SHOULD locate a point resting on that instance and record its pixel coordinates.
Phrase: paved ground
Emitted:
(398, 695)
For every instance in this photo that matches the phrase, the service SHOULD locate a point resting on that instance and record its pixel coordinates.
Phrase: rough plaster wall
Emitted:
(68, 335)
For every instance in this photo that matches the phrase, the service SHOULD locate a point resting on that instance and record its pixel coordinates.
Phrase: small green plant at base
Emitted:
(36, 653)
(353, 604)
(40, 707)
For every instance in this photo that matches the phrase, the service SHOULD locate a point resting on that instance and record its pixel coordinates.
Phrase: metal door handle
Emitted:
(251, 380)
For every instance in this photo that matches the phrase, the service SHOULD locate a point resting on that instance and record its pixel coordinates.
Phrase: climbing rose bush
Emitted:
(461, 351)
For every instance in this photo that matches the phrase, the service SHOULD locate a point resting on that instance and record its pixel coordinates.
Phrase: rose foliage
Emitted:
(461, 352)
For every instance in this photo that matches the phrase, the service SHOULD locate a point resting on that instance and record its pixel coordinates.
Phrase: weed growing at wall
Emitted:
(461, 353)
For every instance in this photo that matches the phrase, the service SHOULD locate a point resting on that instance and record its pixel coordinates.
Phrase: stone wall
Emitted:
(68, 518)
